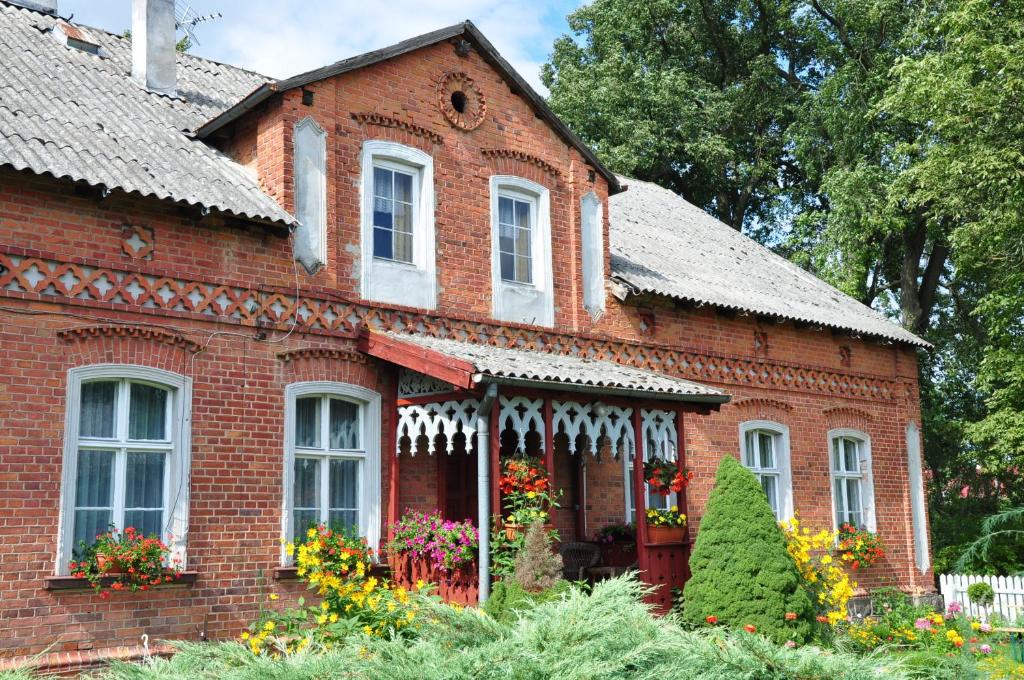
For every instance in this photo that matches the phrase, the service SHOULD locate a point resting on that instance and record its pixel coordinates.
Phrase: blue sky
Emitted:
(280, 38)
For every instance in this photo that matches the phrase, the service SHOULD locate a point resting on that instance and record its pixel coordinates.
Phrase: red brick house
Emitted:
(232, 305)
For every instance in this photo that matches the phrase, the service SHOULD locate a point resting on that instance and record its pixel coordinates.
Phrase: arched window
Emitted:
(853, 494)
(764, 449)
(332, 459)
(126, 456)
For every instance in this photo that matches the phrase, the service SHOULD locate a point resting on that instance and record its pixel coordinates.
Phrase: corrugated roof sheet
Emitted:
(662, 244)
(71, 114)
(529, 366)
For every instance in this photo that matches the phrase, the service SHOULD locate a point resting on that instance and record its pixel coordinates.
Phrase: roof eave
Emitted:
(713, 400)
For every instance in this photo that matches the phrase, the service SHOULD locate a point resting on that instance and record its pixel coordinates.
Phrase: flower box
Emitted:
(666, 534)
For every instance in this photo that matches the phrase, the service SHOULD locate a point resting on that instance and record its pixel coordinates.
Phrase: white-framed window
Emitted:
(853, 495)
(592, 221)
(332, 459)
(398, 238)
(522, 281)
(126, 456)
(310, 170)
(764, 450)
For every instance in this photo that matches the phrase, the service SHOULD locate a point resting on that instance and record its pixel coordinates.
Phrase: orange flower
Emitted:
(750, 628)
(822, 619)
(712, 620)
(791, 616)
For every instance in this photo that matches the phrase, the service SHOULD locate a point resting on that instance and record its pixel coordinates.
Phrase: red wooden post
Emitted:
(639, 497)
(681, 462)
(581, 494)
(442, 481)
(390, 440)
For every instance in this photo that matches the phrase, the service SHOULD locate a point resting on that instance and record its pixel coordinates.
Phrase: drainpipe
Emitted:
(483, 488)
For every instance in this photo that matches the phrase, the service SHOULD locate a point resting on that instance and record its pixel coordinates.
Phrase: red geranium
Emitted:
(750, 628)
(712, 620)
(665, 477)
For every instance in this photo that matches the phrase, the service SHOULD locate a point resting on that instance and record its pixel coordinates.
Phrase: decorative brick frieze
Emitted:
(128, 331)
(323, 353)
(71, 283)
(384, 120)
(137, 242)
(516, 155)
(761, 403)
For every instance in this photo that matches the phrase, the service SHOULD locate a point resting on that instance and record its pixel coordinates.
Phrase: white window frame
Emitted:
(179, 460)
(309, 142)
(867, 486)
(592, 223)
(370, 487)
(531, 303)
(783, 470)
(412, 284)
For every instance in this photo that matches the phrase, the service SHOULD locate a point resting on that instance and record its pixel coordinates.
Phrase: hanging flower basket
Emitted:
(664, 477)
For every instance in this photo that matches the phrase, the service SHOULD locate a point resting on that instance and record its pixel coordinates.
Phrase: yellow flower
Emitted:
(245, 635)
(324, 605)
(368, 630)
(289, 549)
(269, 625)
(975, 625)
(410, 615)
(311, 533)
(826, 559)
(322, 619)
(274, 596)
(420, 584)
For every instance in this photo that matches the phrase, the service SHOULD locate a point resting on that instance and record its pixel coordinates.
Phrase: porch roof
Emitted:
(466, 365)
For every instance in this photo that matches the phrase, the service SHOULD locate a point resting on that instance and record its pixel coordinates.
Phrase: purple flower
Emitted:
(954, 608)
(985, 649)
(922, 624)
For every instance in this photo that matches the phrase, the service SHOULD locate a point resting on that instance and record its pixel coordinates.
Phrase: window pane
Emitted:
(403, 187)
(508, 266)
(522, 241)
(853, 500)
(850, 447)
(506, 238)
(402, 220)
(96, 416)
(840, 502)
(750, 453)
(147, 522)
(767, 450)
(523, 273)
(382, 184)
(307, 422)
(306, 490)
(403, 247)
(344, 425)
(522, 214)
(304, 519)
(382, 243)
(144, 482)
(505, 211)
(658, 502)
(88, 525)
(770, 485)
(837, 459)
(95, 479)
(344, 501)
(147, 413)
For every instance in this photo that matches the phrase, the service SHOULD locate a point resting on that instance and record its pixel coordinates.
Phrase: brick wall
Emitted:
(217, 303)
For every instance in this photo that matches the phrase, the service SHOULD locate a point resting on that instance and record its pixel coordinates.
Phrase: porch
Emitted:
(461, 409)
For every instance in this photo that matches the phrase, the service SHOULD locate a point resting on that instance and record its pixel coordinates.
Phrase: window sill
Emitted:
(186, 580)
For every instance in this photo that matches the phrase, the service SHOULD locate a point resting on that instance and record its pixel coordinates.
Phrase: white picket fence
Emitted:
(1009, 599)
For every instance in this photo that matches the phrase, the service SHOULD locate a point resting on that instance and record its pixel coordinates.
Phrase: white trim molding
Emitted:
(370, 487)
(592, 225)
(176, 477)
(783, 461)
(867, 486)
(412, 284)
(534, 302)
(918, 511)
(309, 170)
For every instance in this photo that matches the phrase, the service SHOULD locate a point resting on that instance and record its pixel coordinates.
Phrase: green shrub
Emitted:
(981, 593)
(509, 599)
(741, 572)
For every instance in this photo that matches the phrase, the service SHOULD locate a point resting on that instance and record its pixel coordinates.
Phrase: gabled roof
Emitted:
(466, 364)
(468, 31)
(71, 114)
(664, 245)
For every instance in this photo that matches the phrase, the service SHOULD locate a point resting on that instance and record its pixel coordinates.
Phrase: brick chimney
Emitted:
(153, 45)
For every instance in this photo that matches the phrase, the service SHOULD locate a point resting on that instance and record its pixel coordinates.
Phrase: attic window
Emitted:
(84, 46)
(459, 101)
(76, 38)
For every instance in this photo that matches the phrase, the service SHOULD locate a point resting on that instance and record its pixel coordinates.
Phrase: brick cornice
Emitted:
(317, 311)
(128, 331)
(762, 402)
(350, 355)
(516, 155)
(384, 120)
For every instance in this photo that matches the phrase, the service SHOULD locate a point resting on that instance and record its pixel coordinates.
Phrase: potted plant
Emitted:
(526, 487)
(859, 547)
(666, 525)
(665, 477)
(125, 561)
(618, 544)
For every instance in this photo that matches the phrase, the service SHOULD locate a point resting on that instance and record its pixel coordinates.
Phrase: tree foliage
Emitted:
(741, 571)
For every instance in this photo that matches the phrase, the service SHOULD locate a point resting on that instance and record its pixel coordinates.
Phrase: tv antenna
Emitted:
(187, 19)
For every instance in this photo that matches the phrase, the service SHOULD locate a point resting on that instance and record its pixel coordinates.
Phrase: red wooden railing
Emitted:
(459, 586)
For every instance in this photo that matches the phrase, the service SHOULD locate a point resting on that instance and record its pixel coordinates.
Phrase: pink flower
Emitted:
(922, 624)
(790, 644)
(985, 649)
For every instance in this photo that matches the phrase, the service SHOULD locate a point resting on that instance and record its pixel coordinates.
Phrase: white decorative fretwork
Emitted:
(416, 384)
(594, 421)
(518, 414)
(659, 433)
(431, 420)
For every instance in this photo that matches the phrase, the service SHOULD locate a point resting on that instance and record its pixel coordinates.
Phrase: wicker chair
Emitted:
(577, 558)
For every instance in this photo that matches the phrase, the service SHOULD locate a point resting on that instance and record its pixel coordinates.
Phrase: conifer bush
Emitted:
(537, 568)
(742, 575)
